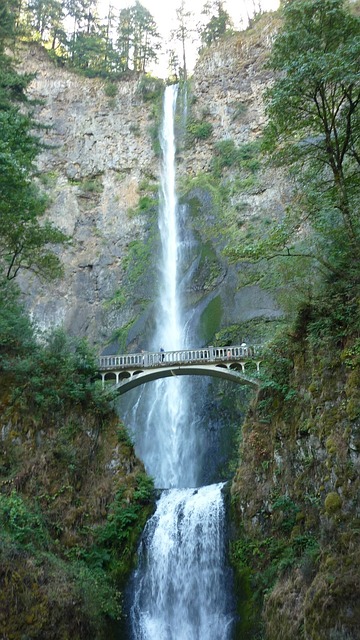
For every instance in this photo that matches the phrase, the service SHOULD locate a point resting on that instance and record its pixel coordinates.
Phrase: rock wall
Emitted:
(295, 496)
(99, 153)
(98, 150)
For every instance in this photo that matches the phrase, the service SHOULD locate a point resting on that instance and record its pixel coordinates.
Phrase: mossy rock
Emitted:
(332, 503)
(330, 446)
(210, 320)
(333, 601)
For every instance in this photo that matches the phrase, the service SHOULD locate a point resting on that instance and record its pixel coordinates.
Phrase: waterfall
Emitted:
(181, 584)
(179, 591)
(164, 434)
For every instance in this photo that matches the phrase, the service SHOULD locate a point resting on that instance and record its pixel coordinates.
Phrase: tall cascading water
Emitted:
(164, 434)
(180, 589)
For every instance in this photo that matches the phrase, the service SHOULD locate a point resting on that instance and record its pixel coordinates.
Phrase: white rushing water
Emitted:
(164, 435)
(179, 590)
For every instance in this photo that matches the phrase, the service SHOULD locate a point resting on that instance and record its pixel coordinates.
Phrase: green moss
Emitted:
(210, 320)
(330, 446)
(332, 503)
(146, 204)
(120, 336)
(136, 261)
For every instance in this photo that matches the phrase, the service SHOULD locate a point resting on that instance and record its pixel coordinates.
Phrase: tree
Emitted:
(24, 238)
(314, 129)
(182, 34)
(219, 23)
(85, 23)
(46, 17)
(314, 107)
(138, 39)
(124, 40)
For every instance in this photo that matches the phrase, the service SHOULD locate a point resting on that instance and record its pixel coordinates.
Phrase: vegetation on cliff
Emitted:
(73, 497)
(120, 44)
(295, 495)
(296, 491)
(26, 239)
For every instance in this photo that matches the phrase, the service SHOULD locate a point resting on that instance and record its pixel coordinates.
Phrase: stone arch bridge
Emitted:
(239, 364)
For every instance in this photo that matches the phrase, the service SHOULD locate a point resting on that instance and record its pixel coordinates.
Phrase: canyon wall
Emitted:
(101, 171)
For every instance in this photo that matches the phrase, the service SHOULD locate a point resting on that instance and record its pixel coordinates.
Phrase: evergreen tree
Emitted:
(183, 33)
(138, 39)
(46, 18)
(24, 239)
(218, 24)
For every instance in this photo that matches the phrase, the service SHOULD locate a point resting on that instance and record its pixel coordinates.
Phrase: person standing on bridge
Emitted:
(162, 354)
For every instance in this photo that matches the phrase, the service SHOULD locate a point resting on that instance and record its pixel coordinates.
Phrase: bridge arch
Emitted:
(132, 370)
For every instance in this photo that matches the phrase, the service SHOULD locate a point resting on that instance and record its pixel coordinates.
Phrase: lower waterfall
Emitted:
(180, 590)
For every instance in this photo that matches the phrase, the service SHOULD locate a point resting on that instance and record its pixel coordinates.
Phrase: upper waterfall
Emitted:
(169, 331)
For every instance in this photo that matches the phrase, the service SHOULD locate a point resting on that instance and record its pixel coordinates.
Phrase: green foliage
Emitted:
(22, 524)
(225, 155)
(99, 596)
(313, 132)
(197, 130)
(16, 331)
(48, 378)
(25, 239)
(351, 355)
(151, 89)
(245, 157)
(57, 547)
(125, 521)
(259, 562)
(121, 43)
(218, 25)
(146, 203)
(111, 89)
(120, 336)
(154, 134)
(277, 387)
(313, 107)
(138, 39)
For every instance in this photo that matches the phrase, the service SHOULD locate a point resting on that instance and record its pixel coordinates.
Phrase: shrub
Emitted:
(110, 89)
(150, 88)
(197, 130)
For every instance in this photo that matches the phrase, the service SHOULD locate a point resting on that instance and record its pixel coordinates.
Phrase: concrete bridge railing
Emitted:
(149, 359)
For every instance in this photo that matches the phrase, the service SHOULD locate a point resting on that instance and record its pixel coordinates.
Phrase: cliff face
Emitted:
(98, 150)
(102, 176)
(296, 496)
